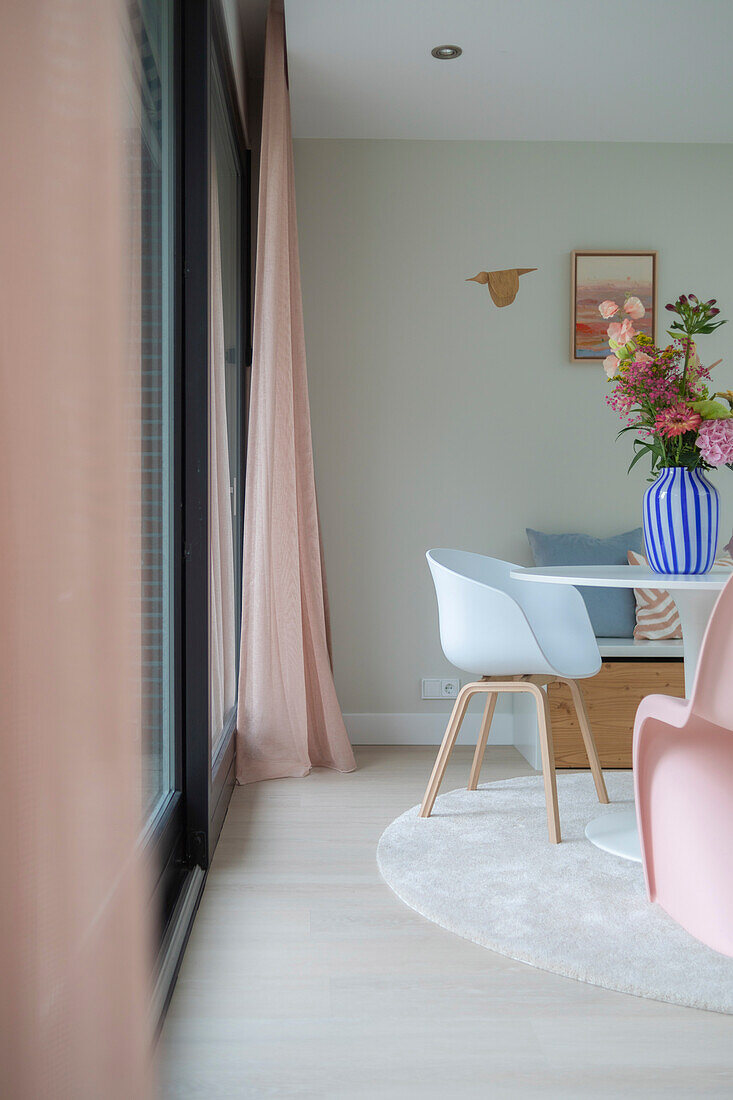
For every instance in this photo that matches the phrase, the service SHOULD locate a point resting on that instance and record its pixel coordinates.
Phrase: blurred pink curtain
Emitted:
(289, 718)
(222, 643)
(74, 952)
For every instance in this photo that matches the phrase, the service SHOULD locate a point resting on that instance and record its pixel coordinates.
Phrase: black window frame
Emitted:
(209, 784)
(182, 838)
(165, 840)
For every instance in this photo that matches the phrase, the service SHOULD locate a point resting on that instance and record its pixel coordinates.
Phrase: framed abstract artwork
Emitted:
(597, 276)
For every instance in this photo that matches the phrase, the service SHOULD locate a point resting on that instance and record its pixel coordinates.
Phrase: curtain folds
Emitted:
(289, 718)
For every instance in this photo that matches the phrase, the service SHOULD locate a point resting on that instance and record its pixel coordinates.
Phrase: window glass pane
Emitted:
(225, 177)
(152, 218)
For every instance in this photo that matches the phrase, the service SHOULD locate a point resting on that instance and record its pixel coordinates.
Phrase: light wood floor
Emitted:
(306, 977)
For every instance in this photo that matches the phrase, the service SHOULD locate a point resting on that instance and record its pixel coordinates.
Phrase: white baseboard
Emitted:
(514, 724)
(423, 729)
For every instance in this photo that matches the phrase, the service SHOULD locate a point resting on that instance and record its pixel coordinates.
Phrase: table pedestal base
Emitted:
(695, 609)
(616, 833)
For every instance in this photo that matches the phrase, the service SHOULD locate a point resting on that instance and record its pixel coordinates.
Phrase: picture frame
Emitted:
(599, 274)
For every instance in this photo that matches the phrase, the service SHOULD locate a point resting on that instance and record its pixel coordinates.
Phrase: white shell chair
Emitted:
(518, 637)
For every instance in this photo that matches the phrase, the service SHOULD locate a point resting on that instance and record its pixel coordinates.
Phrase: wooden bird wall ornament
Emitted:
(503, 285)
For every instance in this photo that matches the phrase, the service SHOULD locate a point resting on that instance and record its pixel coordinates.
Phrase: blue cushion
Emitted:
(612, 611)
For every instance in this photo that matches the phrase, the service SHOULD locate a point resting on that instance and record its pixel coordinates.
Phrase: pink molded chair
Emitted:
(683, 774)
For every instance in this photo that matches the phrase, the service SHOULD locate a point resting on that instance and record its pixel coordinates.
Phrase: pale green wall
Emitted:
(441, 420)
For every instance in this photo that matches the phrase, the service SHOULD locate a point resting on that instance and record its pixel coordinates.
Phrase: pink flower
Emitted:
(676, 420)
(621, 331)
(607, 309)
(633, 306)
(610, 365)
(641, 358)
(715, 440)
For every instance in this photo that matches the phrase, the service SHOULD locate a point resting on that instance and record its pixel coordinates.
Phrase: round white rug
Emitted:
(482, 867)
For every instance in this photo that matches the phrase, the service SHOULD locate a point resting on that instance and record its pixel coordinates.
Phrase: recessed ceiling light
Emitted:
(446, 53)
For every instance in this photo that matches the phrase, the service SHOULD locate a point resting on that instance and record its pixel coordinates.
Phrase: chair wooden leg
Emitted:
(588, 740)
(483, 737)
(457, 715)
(548, 763)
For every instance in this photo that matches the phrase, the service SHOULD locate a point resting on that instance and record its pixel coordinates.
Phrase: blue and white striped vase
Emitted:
(681, 521)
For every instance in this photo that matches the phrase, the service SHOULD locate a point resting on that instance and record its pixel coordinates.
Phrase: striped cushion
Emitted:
(656, 612)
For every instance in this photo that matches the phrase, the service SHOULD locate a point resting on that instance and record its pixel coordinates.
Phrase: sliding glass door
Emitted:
(151, 183)
(188, 308)
(215, 335)
(226, 428)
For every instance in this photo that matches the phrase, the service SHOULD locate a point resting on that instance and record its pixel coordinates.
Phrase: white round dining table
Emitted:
(695, 597)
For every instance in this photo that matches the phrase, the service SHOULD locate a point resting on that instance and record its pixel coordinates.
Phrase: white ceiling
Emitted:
(532, 70)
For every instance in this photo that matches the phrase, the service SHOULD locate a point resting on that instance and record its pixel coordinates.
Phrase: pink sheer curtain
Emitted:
(74, 952)
(222, 643)
(289, 717)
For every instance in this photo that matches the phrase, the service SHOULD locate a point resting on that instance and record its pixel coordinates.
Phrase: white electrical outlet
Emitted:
(440, 689)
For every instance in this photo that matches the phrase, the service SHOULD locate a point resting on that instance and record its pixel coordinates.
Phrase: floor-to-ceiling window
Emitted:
(153, 308)
(152, 148)
(186, 174)
(227, 305)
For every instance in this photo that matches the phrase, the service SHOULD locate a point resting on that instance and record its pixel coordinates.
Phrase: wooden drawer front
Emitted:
(611, 698)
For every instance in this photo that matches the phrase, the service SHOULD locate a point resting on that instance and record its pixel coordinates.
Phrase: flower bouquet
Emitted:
(664, 394)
